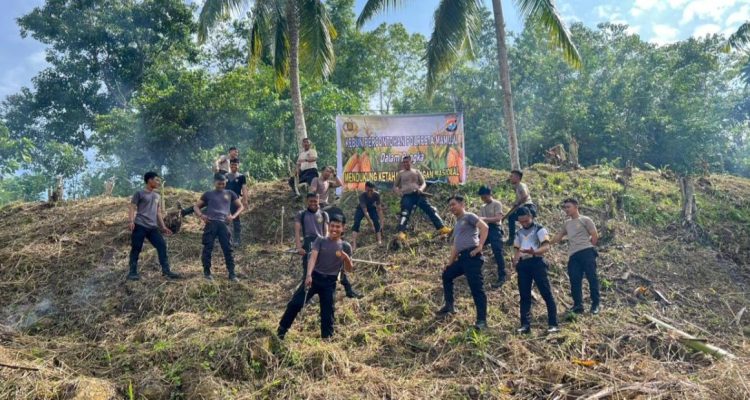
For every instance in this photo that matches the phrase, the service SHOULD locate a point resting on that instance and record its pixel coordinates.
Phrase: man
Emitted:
(582, 237)
(328, 256)
(309, 225)
(410, 185)
(530, 245)
(145, 221)
(237, 182)
(216, 218)
(323, 183)
(222, 164)
(370, 207)
(307, 166)
(469, 235)
(523, 199)
(492, 215)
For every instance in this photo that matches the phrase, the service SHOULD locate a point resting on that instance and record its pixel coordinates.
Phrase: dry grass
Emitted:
(69, 316)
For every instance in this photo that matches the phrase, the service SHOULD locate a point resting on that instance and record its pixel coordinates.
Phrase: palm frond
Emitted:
(545, 13)
(316, 33)
(372, 7)
(260, 31)
(457, 25)
(740, 40)
(281, 51)
(214, 11)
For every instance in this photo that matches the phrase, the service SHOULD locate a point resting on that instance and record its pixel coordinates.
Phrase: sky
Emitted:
(658, 21)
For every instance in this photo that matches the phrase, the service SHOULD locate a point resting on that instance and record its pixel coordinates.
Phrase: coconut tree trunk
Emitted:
(300, 130)
(502, 55)
(689, 207)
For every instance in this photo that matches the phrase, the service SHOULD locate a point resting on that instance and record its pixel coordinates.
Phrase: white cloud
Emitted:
(706, 10)
(641, 6)
(676, 3)
(706, 29)
(633, 30)
(738, 17)
(664, 34)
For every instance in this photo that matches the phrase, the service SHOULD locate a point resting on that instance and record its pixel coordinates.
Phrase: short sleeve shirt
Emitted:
(490, 210)
(313, 223)
(217, 203)
(235, 182)
(465, 232)
(409, 181)
(224, 163)
(579, 232)
(531, 238)
(320, 186)
(328, 261)
(521, 190)
(304, 155)
(367, 201)
(147, 205)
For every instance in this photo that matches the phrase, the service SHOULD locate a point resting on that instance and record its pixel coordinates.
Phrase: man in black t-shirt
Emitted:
(371, 207)
(328, 257)
(237, 183)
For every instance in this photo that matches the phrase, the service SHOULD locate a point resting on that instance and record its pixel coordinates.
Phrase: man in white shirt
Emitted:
(307, 166)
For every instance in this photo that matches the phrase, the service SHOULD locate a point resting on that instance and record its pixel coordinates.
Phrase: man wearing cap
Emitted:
(469, 235)
(492, 215)
(216, 218)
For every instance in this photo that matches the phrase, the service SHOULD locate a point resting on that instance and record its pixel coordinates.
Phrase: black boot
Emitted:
(133, 274)
(446, 310)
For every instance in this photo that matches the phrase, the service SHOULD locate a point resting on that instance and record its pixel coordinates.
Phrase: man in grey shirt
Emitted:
(216, 217)
(469, 235)
(329, 256)
(145, 221)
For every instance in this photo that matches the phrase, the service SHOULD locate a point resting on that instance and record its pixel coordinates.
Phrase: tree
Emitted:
(740, 41)
(283, 32)
(456, 27)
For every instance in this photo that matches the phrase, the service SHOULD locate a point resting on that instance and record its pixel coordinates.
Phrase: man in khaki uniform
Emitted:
(523, 199)
(322, 184)
(492, 215)
(582, 237)
(410, 185)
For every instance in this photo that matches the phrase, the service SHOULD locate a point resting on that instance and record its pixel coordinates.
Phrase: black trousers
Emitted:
(305, 176)
(359, 215)
(513, 218)
(212, 231)
(141, 233)
(307, 245)
(583, 263)
(495, 239)
(472, 268)
(412, 200)
(236, 226)
(325, 287)
(534, 270)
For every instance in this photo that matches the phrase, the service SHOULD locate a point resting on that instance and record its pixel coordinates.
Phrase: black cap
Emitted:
(484, 190)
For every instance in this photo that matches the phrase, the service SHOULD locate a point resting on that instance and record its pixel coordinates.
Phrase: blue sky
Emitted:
(658, 21)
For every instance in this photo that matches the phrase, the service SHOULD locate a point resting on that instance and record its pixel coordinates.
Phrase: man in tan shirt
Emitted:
(492, 214)
(307, 165)
(523, 199)
(410, 185)
(323, 183)
(582, 237)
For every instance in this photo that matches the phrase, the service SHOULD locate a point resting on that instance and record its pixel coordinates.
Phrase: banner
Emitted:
(370, 148)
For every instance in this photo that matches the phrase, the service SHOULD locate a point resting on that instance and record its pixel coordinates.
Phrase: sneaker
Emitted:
(498, 284)
(447, 309)
(553, 329)
(595, 310)
(134, 277)
(208, 277)
(234, 279)
(445, 231)
(480, 325)
(524, 330)
(401, 236)
(171, 275)
(354, 295)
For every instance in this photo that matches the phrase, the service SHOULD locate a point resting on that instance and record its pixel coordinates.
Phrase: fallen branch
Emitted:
(692, 341)
(19, 367)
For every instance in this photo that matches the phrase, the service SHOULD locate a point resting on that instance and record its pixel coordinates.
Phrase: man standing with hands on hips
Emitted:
(469, 235)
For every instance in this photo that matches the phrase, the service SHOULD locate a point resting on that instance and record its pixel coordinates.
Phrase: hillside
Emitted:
(78, 330)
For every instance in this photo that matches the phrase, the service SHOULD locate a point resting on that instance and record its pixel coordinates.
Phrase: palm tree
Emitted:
(740, 41)
(457, 23)
(282, 31)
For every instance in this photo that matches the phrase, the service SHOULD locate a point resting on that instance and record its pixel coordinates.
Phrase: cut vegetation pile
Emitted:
(72, 327)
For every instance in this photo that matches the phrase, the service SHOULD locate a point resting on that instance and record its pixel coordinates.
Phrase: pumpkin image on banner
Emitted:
(455, 159)
(357, 163)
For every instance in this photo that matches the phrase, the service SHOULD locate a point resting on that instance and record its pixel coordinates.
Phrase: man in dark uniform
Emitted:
(492, 215)
(237, 182)
(327, 258)
(216, 218)
(309, 225)
(469, 235)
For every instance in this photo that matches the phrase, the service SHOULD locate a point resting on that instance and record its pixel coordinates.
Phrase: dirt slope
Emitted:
(72, 327)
